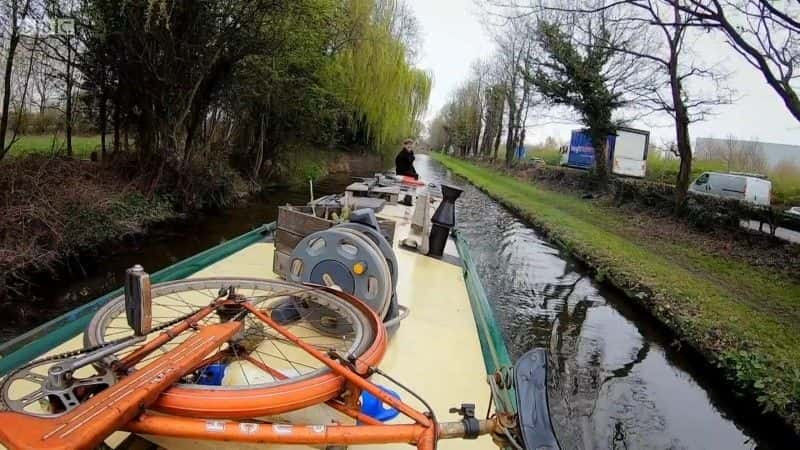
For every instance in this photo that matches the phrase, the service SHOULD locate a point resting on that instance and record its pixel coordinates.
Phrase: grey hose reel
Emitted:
(345, 259)
(383, 244)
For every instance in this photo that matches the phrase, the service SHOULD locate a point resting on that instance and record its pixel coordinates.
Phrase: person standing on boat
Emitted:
(404, 162)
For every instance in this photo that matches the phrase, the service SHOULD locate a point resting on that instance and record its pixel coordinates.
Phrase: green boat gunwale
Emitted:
(495, 353)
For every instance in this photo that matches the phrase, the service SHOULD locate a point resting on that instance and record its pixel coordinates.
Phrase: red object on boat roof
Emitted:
(411, 180)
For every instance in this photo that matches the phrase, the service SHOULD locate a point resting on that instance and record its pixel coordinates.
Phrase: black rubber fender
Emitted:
(533, 409)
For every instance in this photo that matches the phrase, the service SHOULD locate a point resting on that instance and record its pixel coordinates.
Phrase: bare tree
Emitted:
(766, 33)
(658, 31)
(14, 14)
(514, 42)
(42, 81)
(62, 53)
(403, 24)
(493, 117)
(21, 86)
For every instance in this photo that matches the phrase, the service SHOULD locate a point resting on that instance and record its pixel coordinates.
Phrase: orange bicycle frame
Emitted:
(89, 424)
(92, 421)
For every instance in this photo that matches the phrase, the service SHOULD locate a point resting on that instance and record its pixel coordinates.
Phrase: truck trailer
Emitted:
(627, 151)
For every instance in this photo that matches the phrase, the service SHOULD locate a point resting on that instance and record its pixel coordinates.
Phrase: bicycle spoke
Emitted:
(258, 346)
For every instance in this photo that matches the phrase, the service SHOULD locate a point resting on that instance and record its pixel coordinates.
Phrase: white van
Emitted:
(747, 188)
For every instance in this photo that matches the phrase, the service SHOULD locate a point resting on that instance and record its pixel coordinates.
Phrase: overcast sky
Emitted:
(453, 38)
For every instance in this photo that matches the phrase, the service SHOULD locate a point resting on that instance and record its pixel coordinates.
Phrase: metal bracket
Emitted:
(472, 427)
(349, 362)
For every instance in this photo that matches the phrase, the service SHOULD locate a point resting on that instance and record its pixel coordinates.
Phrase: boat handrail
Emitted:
(495, 353)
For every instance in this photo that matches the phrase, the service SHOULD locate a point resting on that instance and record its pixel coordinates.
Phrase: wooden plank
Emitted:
(300, 222)
(286, 241)
(280, 263)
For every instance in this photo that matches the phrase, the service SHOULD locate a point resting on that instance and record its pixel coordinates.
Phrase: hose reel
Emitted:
(346, 259)
(383, 245)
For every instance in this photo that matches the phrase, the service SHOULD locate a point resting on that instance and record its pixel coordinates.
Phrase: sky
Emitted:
(453, 37)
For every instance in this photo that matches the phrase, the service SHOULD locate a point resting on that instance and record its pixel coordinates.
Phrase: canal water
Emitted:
(617, 382)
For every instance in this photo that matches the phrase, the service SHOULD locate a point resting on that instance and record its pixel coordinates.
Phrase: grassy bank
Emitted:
(47, 144)
(55, 209)
(742, 317)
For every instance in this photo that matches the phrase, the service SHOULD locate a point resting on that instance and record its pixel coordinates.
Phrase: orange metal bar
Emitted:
(266, 433)
(349, 375)
(87, 425)
(355, 414)
(427, 441)
(358, 415)
(275, 373)
(140, 353)
(260, 432)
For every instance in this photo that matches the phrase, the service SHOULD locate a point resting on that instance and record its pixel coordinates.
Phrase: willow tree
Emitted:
(384, 94)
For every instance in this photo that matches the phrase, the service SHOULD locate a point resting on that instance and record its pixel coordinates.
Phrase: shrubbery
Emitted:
(702, 212)
(54, 208)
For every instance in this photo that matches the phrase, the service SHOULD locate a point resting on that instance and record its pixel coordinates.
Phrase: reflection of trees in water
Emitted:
(578, 377)
(531, 312)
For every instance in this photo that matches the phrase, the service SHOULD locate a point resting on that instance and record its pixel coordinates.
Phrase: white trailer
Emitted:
(627, 152)
(630, 152)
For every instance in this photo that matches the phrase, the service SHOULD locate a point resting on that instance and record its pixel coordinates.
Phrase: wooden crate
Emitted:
(297, 222)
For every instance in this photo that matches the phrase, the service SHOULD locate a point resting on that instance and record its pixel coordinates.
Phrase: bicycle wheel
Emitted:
(265, 374)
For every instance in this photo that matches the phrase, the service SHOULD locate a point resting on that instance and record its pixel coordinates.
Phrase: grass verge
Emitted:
(47, 144)
(742, 318)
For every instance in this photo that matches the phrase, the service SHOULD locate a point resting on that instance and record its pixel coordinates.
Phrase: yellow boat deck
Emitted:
(435, 352)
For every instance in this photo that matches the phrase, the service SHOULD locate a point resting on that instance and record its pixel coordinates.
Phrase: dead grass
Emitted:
(51, 208)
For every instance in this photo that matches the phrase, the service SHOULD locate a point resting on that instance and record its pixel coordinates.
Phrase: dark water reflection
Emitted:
(617, 383)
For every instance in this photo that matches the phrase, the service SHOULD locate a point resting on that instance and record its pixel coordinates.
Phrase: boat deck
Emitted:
(436, 350)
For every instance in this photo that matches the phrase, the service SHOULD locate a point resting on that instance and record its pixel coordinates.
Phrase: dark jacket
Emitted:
(404, 163)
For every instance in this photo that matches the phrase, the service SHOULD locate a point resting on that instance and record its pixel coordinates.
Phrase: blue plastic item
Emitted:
(212, 375)
(373, 407)
(285, 313)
